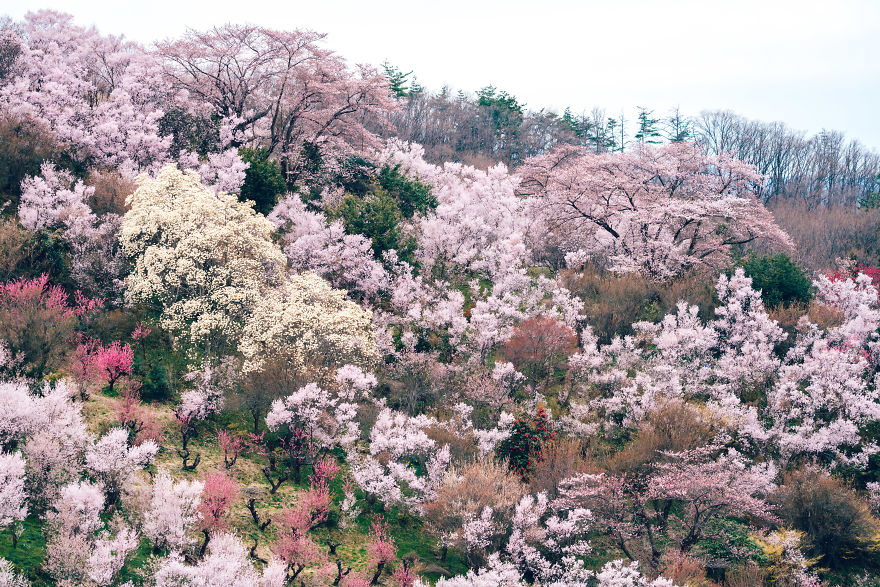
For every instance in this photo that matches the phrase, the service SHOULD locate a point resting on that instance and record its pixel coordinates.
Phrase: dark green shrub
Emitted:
(411, 195)
(523, 448)
(154, 380)
(378, 218)
(780, 280)
(263, 181)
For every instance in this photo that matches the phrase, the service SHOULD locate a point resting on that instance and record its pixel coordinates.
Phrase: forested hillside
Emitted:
(271, 318)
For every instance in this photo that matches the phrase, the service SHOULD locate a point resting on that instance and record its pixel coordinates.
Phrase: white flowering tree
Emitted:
(203, 258)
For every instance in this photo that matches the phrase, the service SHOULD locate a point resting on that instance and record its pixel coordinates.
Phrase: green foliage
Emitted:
(410, 195)
(490, 97)
(731, 542)
(377, 217)
(263, 181)
(780, 280)
(154, 379)
(28, 555)
(528, 436)
(648, 127)
(396, 80)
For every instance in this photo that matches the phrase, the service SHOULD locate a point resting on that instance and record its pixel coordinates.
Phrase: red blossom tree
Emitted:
(217, 497)
(114, 362)
(540, 345)
(36, 320)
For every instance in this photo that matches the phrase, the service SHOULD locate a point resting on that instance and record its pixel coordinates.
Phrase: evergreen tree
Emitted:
(648, 127)
(397, 80)
(677, 127)
(263, 180)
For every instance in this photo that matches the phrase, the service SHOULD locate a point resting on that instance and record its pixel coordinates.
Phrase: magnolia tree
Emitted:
(306, 321)
(653, 210)
(205, 258)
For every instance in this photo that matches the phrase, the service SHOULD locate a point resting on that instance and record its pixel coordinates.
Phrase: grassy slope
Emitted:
(406, 529)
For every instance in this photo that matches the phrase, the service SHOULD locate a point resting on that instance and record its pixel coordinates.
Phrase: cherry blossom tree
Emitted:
(224, 171)
(226, 563)
(18, 415)
(99, 95)
(53, 201)
(276, 89)
(654, 210)
(110, 554)
(13, 499)
(547, 545)
(312, 243)
(636, 508)
(620, 573)
(72, 523)
(113, 462)
(479, 225)
(173, 512)
(9, 576)
(498, 573)
(55, 448)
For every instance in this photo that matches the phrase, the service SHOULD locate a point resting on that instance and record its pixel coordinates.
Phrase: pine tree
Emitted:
(648, 131)
(397, 80)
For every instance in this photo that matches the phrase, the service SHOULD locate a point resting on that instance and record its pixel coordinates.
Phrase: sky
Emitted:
(811, 65)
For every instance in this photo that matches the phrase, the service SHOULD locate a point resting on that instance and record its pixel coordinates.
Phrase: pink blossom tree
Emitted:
(13, 499)
(275, 89)
(381, 547)
(671, 503)
(654, 210)
(217, 496)
(112, 362)
(99, 95)
(232, 446)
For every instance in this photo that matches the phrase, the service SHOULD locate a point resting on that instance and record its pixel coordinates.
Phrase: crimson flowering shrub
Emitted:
(37, 321)
(539, 346)
(528, 438)
(851, 272)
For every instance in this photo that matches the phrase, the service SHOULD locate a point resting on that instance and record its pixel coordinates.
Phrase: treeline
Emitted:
(825, 169)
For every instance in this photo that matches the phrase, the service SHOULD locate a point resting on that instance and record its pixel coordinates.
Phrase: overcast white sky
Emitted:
(810, 64)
